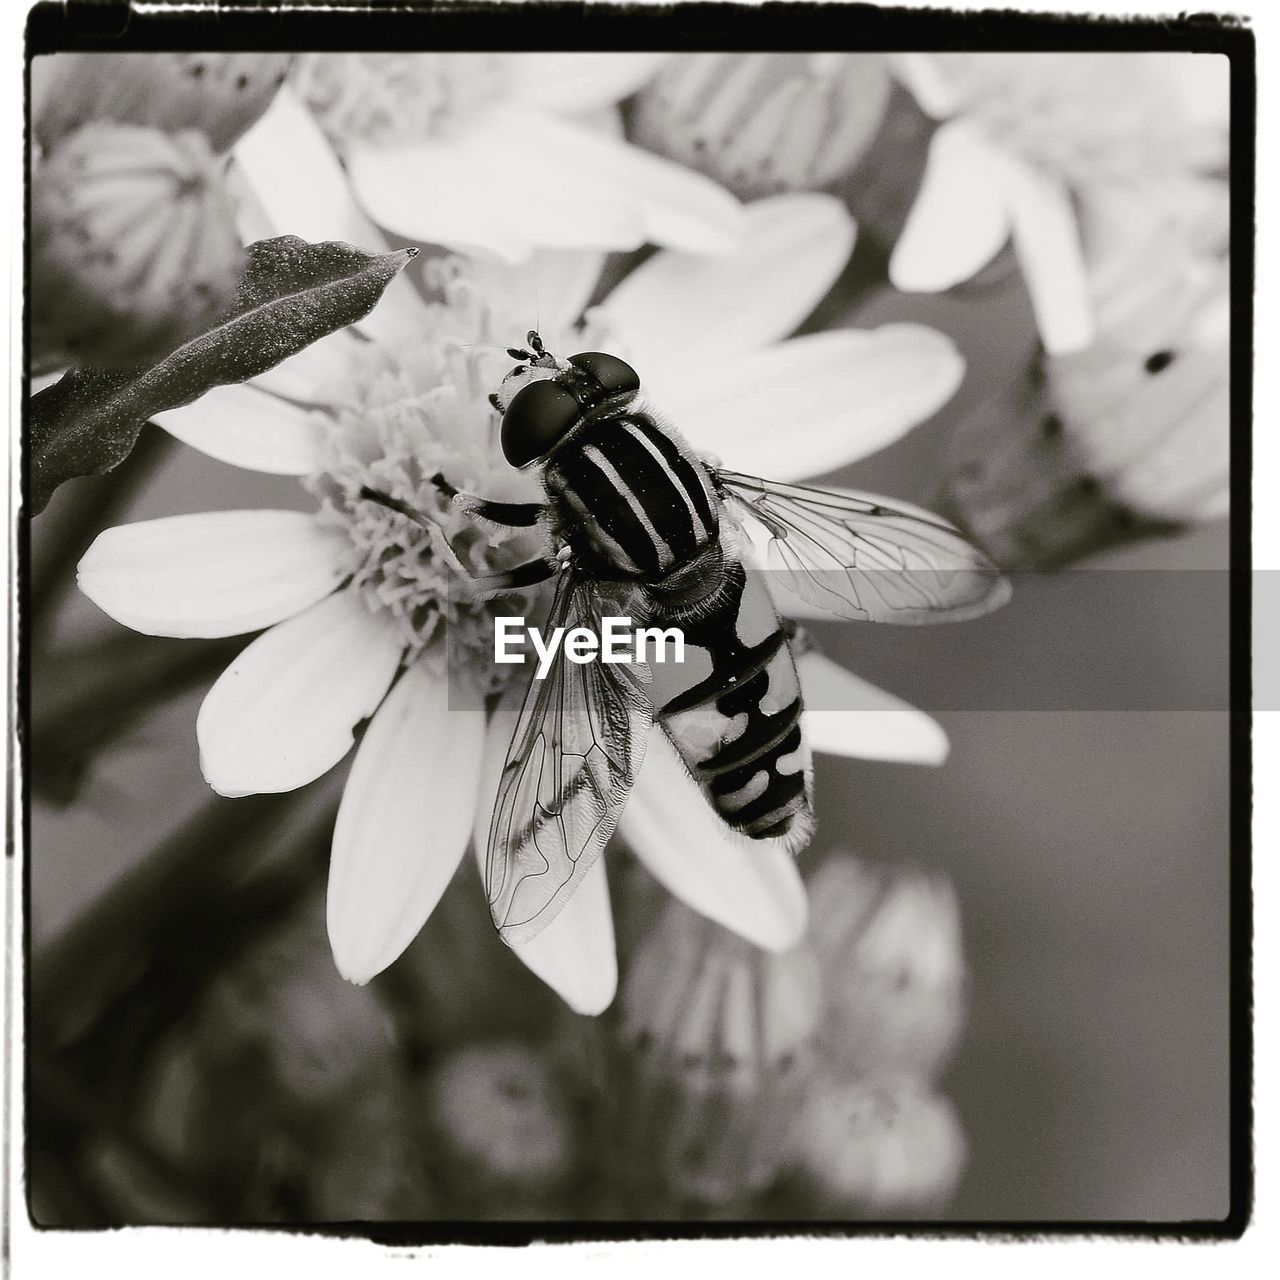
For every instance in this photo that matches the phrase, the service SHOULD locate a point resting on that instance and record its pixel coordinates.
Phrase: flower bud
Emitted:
(1128, 438)
(220, 94)
(500, 1130)
(716, 1044)
(761, 123)
(134, 246)
(893, 967)
(875, 1146)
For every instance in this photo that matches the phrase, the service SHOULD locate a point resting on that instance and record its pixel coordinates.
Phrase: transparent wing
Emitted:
(573, 759)
(868, 558)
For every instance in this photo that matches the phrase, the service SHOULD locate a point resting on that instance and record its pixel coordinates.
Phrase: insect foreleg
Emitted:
(482, 584)
(512, 515)
(528, 574)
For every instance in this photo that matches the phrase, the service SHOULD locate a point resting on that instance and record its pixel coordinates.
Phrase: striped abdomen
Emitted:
(732, 709)
(632, 502)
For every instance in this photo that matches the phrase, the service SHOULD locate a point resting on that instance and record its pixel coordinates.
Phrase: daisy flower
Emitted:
(1022, 136)
(498, 153)
(357, 601)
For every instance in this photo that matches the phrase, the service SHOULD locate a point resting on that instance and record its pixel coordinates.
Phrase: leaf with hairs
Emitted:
(292, 293)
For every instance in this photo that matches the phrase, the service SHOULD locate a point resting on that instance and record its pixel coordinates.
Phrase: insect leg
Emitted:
(523, 575)
(482, 584)
(514, 515)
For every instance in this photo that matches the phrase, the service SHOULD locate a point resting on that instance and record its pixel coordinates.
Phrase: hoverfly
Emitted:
(636, 521)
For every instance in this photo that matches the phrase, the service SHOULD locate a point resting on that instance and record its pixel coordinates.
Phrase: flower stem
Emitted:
(172, 919)
(69, 526)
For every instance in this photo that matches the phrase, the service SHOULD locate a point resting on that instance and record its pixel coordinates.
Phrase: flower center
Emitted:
(405, 412)
(386, 98)
(1086, 118)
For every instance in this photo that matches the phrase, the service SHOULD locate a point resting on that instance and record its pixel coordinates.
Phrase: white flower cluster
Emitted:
(692, 214)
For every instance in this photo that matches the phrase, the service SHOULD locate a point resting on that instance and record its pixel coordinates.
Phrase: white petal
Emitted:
(219, 573)
(1047, 242)
(300, 188)
(310, 375)
(479, 190)
(1202, 82)
(749, 886)
(680, 307)
(578, 188)
(403, 823)
(551, 288)
(253, 221)
(680, 209)
(575, 954)
(249, 428)
(958, 222)
(815, 403)
(297, 178)
(571, 83)
(922, 75)
(502, 725)
(283, 712)
(847, 716)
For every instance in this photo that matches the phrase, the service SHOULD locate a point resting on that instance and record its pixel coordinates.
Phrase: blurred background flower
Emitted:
(134, 245)
(791, 1048)
(763, 123)
(890, 942)
(1022, 137)
(1129, 436)
(497, 153)
(220, 94)
(715, 1046)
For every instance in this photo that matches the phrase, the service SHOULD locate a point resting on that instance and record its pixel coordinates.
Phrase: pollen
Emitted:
(404, 412)
(388, 98)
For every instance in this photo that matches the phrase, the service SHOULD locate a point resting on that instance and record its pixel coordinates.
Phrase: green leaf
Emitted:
(292, 293)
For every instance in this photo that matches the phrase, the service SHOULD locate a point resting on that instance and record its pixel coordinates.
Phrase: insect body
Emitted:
(639, 526)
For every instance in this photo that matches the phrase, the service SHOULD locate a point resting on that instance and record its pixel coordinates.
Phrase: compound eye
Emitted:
(614, 375)
(535, 420)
